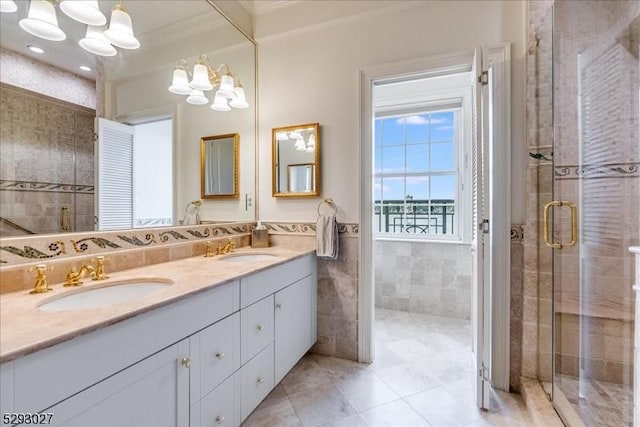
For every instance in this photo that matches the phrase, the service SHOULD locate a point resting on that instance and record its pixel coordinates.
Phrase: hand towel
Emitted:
(327, 237)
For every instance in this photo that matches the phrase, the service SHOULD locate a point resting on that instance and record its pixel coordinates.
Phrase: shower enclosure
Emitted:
(591, 217)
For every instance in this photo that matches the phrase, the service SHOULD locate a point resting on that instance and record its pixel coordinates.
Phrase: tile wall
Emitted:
(423, 277)
(46, 163)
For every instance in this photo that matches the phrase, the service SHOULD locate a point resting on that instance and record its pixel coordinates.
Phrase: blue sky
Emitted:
(429, 146)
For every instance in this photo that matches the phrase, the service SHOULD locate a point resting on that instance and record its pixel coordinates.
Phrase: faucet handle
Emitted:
(100, 273)
(41, 285)
(208, 252)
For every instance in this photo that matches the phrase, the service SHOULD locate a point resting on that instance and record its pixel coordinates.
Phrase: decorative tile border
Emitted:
(309, 228)
(517, 233)
(613, 170)
(20, 250)
(10, 185)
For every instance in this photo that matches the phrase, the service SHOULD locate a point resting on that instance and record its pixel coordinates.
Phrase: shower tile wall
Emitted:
(27, 73)
(420, 277)
(46, 155)
(537, 294)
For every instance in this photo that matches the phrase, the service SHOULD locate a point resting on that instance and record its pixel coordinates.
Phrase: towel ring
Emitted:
(331, 204)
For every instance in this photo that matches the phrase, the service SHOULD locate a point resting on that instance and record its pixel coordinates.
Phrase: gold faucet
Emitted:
(208, 251)
(100, 274)
(41, 286)
(74, 277)
(227, 247)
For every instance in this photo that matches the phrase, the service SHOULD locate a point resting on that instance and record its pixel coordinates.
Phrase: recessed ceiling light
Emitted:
(35, 49)
(85, 68)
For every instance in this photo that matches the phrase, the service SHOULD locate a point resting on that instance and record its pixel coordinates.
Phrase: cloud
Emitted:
(445, 127)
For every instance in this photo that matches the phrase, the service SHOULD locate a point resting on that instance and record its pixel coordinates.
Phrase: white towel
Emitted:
(327, 237)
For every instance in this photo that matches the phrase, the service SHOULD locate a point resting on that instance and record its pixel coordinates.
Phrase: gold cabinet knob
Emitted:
(219, 419)
(260, 327)
(186, 362)
(260, 380)
(220, 355)
(279, 305)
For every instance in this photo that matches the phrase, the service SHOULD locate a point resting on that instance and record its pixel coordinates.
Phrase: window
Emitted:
(417, 181)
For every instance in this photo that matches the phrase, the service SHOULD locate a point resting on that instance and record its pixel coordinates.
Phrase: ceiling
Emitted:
(154, 23)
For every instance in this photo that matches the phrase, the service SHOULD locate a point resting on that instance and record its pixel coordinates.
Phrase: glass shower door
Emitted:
(594, 215)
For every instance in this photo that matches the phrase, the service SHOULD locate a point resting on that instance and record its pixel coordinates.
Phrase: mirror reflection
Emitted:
(49, 179)
(296, 161)
(219, 166)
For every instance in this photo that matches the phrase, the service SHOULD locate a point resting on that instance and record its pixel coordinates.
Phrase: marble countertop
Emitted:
(25, 329)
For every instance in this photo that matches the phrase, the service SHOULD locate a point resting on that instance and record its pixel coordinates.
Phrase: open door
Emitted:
(481, 317)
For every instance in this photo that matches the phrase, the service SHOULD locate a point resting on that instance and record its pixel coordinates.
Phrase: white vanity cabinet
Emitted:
(206, 360)
(295, 324)
(153, 392)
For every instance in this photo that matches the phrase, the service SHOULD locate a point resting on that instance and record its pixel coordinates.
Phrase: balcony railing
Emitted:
(415, 217)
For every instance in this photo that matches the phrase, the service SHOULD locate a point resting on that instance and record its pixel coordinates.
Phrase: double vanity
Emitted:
(194, 342)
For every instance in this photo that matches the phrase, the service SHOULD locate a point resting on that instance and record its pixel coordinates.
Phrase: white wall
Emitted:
(309, 67)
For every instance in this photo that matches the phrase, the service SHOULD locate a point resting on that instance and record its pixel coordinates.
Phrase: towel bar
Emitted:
(331, 204)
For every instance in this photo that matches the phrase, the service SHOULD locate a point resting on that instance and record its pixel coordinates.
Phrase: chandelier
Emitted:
(99, 39)
(304, 139)
(205, 78)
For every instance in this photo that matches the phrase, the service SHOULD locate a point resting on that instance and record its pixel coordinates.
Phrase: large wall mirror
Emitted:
(296, 161)
(219, 166)
(58, 189)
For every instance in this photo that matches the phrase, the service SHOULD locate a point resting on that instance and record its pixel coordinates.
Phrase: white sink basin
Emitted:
(110, 293)
(248, 257)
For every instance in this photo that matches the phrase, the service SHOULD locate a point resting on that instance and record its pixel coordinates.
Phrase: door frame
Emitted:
(432, 66)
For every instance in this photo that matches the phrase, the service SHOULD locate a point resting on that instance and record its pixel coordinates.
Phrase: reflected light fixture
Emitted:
(205, 78)
(85, 68)
(42, 21)
(35, 49)
(120, 32)
(84, 11)
(95, 42)
(8, 6)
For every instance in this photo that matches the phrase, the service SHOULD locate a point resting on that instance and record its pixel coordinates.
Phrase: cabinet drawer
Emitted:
(221, 407)
(215, 355)
(257, 328)
(256, 380)
(267, 282)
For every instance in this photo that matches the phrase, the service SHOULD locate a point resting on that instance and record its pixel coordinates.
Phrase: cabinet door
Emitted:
(293, 324)
(154, 392)
(257, 328)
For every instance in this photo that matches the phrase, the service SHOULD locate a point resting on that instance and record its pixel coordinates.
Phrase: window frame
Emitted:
(402, 105)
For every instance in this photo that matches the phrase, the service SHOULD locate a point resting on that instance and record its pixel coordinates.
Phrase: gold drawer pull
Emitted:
(260, 380)
(220, 355)
(219, 419)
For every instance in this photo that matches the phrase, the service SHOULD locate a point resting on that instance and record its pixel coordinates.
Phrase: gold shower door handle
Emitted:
(548, 238)
(65, 219)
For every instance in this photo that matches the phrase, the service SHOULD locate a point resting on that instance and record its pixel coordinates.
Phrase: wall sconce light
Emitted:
(42, 22)
(205, 78)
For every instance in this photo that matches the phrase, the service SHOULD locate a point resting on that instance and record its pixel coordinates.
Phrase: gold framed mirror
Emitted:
(295, 161)
(219, 166)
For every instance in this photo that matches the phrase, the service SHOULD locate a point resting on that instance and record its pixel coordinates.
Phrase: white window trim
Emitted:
(431, 101)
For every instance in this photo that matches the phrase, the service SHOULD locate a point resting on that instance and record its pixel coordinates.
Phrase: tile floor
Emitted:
(601, 403)
(422, 376)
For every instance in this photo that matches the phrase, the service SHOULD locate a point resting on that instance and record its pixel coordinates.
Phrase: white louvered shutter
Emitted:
(115, 175)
